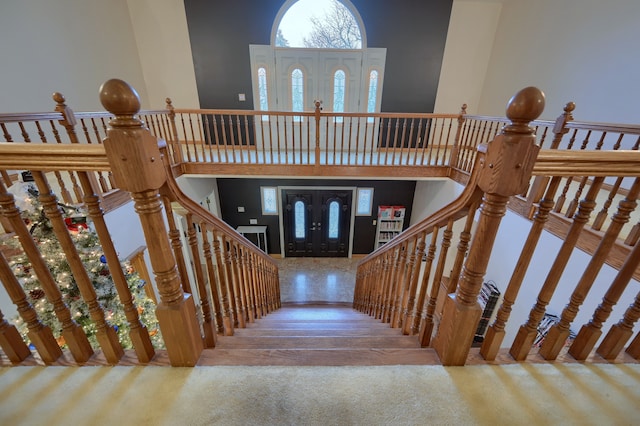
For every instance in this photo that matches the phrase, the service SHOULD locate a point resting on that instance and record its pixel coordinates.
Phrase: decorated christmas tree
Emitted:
(90, 251)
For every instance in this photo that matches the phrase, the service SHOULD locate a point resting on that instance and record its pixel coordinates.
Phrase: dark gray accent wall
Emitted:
(245, 193)
(413, 32)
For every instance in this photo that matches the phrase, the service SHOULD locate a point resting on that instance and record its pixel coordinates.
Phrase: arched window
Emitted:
(297, 90)
(334, 219)
(322, 24)
(262, 89)
(339, 83)
(299, 219)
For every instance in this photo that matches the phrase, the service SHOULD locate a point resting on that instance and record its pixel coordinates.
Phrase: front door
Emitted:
(316, 222)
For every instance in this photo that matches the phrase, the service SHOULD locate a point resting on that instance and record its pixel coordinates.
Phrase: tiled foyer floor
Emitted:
(317, 279)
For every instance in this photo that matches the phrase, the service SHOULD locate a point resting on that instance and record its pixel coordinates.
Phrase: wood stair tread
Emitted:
(316, 342)
(290, 332)
(319, 357)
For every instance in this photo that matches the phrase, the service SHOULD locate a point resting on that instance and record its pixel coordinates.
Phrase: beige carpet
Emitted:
(519, 394)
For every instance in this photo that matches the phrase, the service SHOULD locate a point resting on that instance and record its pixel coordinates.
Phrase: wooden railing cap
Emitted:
(122, 100)
(524, 107)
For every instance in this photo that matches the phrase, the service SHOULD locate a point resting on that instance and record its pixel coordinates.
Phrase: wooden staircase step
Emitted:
(316, 342)
(290, 332)
(316, 325)
(317, 357)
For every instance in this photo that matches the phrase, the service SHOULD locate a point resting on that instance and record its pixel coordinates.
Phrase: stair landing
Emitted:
(318, 334)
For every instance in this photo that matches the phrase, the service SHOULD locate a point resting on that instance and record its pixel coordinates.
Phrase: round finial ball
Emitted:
(526, 105)
(119, 98)
(58, 98)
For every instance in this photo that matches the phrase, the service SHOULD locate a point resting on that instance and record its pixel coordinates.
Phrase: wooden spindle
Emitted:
(506, 172)
(208, 324)
(437, 285)
(212, 279)
(174, 235)
(73, 334)
(39, 334)
(396, 282)
(105, 333)
(420, 309)
(223, 286)
(407, 271)
(527, 333)
(495, 333)
(11, 342)
(558, 334)
(408, 320)
(136, 162)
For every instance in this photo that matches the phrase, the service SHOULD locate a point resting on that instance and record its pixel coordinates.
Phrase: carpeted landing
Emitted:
(517, 394)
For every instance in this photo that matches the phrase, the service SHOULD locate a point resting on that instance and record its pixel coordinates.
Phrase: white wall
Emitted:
(73, 46)
(472, 29)
(67, 46)
(431, 195)
(584, 51)
(162, 37)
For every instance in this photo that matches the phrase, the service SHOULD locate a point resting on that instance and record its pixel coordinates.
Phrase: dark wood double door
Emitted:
(316, 222)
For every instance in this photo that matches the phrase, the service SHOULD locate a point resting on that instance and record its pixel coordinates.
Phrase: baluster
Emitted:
(558, 334)
(223, 283)
(388, 280)
(246, 277)
(211, 274)
(176, 246)
(217, 138)
(255, 279)
(205, 308)
(419, 144)
(426, 327)
(226, 253)
(405, 281)
(371, 275)
(11, 342)
(602, 214)
(185, 138)
(39, 334)
(621, 332)
(239, 285)
(105, 333)
(415, 265)
(463, 245)
(495, 333)
(207, 139)
(618, 335)
(420, 308)
(127, 139)
(633, 236)
(571, 209)
(73, 334)
(527, 333)
(559, 130)
(278, 151)
(396, 282)
(64, 192)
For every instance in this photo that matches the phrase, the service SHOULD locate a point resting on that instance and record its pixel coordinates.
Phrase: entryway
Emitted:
(316, 222)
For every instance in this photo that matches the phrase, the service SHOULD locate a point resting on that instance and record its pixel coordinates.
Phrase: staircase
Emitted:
(318, 334)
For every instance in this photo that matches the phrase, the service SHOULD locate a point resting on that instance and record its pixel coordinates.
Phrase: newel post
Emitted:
(317, 115)
(506, 171)
(455, 151)
(137, 167)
